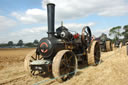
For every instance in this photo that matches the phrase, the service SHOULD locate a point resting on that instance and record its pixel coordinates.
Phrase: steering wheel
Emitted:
(86, 36)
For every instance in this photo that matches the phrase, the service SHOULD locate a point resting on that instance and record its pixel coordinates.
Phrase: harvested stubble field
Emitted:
(113, 70)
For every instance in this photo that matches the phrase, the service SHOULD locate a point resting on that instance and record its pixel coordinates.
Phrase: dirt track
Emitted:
(113, 70)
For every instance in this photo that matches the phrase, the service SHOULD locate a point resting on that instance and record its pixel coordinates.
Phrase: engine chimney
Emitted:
(51, 16)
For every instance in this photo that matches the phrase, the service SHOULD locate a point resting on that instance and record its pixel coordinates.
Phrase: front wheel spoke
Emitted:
(33, 58)
(62, 70)
(65, 57)
(65, 77)
(63, 63)
(69, 58)
(38, 57)
(33, 72)
(71, 66)
(30, 60)
(67, 71)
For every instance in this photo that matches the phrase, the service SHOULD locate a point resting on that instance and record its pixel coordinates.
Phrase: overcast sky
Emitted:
(27, 19)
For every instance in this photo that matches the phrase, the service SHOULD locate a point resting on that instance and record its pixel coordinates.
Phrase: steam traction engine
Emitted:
(105, 43)
(60, 52)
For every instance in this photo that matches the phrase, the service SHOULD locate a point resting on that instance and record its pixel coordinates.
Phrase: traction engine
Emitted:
(60, 52)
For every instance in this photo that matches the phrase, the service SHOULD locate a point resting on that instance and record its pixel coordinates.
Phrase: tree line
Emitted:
(118, 32)
(19, 44)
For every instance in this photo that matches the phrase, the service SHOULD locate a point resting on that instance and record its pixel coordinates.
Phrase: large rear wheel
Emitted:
(108, 46)
(64, 65)
(94, 53)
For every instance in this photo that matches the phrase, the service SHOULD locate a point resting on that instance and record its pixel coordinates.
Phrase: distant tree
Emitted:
(20, 43)
(35, 43)
(29, 44)
(125, 27)
(115, 31)
(4, 45)
(10, 43)
(125, 33)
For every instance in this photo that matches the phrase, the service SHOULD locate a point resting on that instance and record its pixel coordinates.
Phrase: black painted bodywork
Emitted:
(59, 40)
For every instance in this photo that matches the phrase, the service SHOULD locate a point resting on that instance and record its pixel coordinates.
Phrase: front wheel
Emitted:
(28, 59)
(64, 65)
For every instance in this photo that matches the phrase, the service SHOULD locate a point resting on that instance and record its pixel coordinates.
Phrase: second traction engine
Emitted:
(59, 53)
